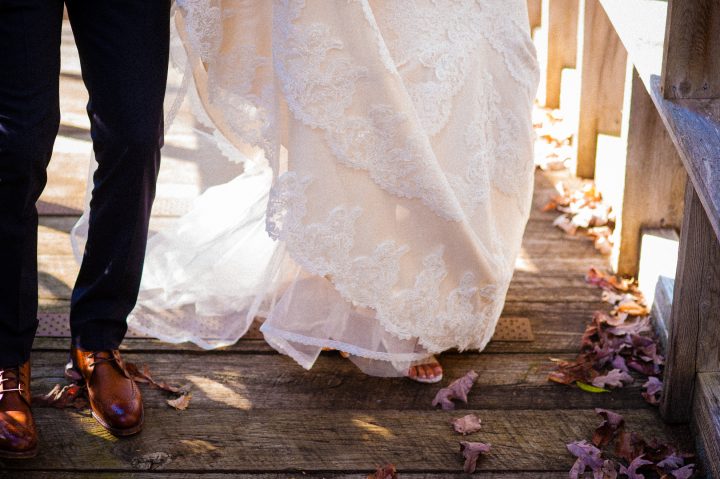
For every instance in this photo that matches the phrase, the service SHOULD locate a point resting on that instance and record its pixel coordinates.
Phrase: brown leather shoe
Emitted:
(115, 399)
(18, 436)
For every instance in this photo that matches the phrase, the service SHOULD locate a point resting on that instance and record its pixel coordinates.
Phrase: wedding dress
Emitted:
(387, 152)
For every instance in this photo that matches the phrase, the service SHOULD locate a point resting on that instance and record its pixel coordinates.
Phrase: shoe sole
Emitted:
(19, 455)
(131, 431)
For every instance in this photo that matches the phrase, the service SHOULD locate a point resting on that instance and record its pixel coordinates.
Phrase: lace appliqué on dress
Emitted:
(462, 318)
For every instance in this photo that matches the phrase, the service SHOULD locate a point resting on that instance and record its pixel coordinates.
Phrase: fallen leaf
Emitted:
(145, 377)
(471, 452)
(467, 424)
(653, 390)
(386, 472)
(587, 456)
(457, 390)
(631, 470)
(614, 378)
(71, 395)
(684, 472)
(590, 389)
(629, 445)
(673, 461)
(607, 430)
(181, 402)
(608, 471)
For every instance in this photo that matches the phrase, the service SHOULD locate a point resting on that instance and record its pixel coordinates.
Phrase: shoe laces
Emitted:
(7, 375)
(98, 359)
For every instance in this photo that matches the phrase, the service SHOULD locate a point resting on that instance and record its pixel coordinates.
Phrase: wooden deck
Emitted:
(256, 414)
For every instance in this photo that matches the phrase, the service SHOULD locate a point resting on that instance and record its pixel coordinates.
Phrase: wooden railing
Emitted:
(648, 131)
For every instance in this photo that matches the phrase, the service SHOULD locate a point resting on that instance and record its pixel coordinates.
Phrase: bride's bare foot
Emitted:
(426, 372)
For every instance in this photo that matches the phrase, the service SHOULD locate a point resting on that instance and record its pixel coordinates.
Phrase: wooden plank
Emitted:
(322, 440)
(694, 336)
(534, 13)
(602, 60)
(691, 62)
(561, 31)
(275, 382)
(234, 475)
(706, 421)
(694, 127)
(653, 179)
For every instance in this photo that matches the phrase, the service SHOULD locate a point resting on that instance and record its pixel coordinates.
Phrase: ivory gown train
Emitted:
(387, 147)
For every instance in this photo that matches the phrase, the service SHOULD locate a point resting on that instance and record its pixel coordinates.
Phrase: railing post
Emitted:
(691, 77)
(560, 19)
(691, 62)
(603, 63)
(694, 329)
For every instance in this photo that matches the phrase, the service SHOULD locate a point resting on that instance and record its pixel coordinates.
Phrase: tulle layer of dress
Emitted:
(387, 152)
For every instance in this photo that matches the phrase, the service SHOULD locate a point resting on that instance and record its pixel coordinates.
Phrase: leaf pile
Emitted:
(583, 210)
(632, 456)
(553, 150)
(615, 344)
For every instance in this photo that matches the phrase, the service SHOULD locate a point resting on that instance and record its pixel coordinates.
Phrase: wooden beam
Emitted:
(691, 60)
(561, 31)
(603, 63)
(694, 336)
(654, 178)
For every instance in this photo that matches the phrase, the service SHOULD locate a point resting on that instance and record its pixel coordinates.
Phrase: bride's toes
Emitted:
(426, 373)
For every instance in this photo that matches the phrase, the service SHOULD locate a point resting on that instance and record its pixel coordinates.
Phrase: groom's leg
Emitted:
(123, 46)
(29, 119)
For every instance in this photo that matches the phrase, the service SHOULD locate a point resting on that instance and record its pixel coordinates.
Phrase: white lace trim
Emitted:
(339, 346)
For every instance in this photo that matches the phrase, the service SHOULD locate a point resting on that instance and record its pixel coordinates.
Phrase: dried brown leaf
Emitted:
(181, 402)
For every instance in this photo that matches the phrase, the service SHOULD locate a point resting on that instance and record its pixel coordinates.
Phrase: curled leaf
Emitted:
(467, 424)
(471, 452)
(457, 390)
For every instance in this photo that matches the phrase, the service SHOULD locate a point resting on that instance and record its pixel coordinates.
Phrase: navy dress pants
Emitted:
(123, 47)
